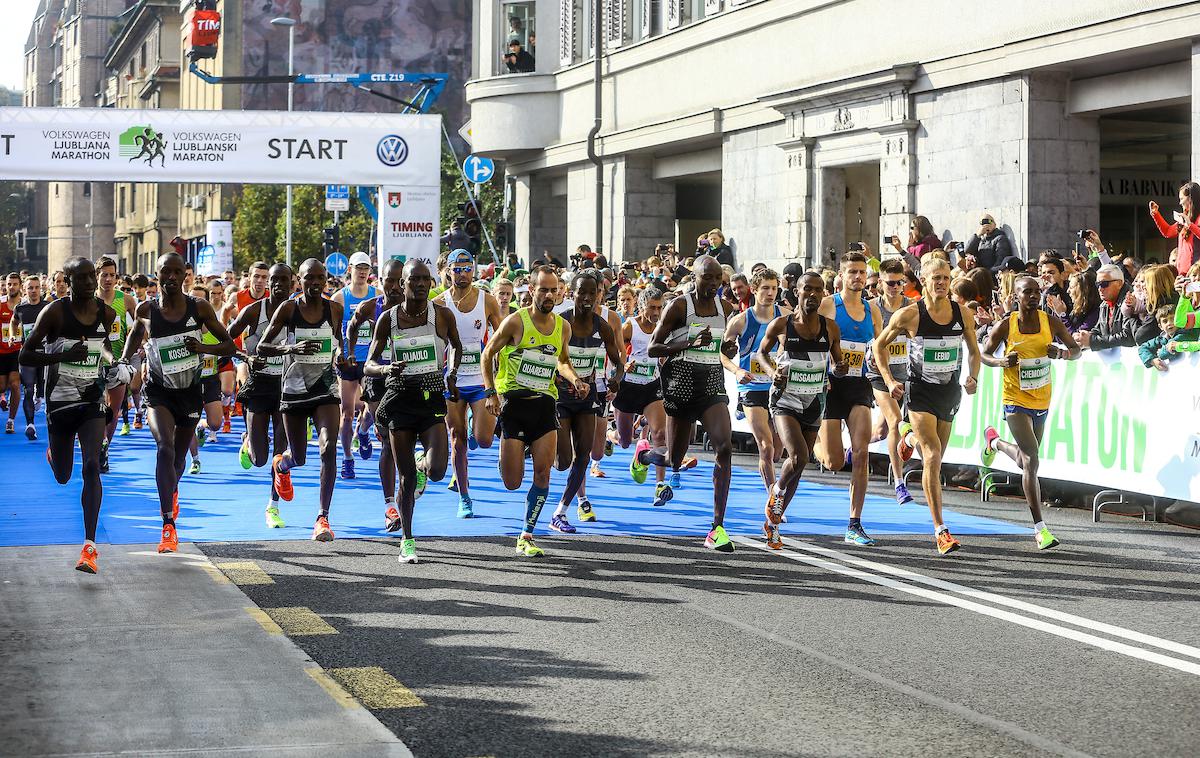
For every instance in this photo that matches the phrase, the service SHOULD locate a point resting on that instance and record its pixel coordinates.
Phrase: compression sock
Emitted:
(534, 500)
(657, 456)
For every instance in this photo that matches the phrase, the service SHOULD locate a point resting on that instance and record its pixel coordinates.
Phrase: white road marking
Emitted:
(1050, 613)
(1187, 667)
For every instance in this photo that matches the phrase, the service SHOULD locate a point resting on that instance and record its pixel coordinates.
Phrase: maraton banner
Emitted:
(409, 220)
(236, 147)
(1113, 423)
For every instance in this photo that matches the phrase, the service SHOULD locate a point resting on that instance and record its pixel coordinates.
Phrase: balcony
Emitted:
(513, 113)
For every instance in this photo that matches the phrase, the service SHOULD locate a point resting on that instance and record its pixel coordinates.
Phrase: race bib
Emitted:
(89, 368)
(9, 332)
(855, 354)
(174, 355)
(114, 334)
(324, 353)
(1034, 373)
(587, 360)
(535, 370)
(26, 330)
(758, 374)
(898, 352)
(418, 353)
(469, 363)
(364, 332)
(940, 356)
(274, 366)
(805, 378)
(642, 372)
(208, 366)
(709, 354)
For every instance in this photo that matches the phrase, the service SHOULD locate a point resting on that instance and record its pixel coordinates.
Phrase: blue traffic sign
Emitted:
(337, 191)
(337, 264)
(478, 169)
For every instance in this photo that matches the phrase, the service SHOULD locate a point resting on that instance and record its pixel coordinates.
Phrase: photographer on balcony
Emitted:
(518, 60)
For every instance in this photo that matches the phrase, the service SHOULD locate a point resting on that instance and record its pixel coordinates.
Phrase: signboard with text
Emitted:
(409, 223)
(216, 257)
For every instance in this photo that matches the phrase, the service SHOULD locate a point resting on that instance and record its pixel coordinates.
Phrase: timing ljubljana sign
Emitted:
(238, 147)
(408, 223)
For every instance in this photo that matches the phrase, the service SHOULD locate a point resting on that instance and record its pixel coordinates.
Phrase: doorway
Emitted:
(850, 206)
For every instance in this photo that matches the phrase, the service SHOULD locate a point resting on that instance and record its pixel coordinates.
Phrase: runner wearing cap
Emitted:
(351, 373)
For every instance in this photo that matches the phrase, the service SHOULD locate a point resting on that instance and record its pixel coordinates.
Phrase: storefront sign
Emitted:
(409, 223)
(1129, 186)
(216, 256)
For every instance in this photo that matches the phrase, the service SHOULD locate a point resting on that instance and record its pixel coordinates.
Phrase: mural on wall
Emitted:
(358, 36)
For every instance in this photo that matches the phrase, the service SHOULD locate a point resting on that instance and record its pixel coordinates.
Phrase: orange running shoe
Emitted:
(237, 409)
(321, 530)
(946, 542)
(170, 539)
(283, 479)
(773, 511)
(137, 422)
(391, 519)
(688, 463)
(774, 541)
(225, 427)
(87, 560)
(175, 506)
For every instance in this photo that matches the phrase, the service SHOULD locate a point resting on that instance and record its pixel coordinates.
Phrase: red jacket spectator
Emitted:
(1189, 200)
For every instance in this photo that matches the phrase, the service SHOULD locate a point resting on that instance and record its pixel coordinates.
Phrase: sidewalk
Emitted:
(157, 654)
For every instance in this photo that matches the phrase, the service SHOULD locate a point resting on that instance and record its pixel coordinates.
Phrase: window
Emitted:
(121, 201)
(143, 56)
(87, 189)
(517, 24)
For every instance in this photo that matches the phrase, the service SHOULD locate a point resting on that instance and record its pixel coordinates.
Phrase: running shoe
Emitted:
(527, 548)
(675, 480)
(195, 469)
(662, 494)
(422, 477)
(849, 460)
(466, 507)
(560, 524)
(170, 539)
(584, 510)
(4, 402)
(774, 508)
(903, 497)
(391, 519)
(201, 435)
(281, 479)
(453, 485)
(309, 423)
(321, 530)
(244, 455)
(273, 519)
(30, 432)
(946, 542)
(365, 448)
(855, 535)
(408, 551)
(10, 427)
(718, 540)
(637, 469)
(774, 541)
(175, 505)
(348, 468)
(104, 458)
(988, 455)
(354, 443)
(688, 463)
(225, 427)
(87, 560)
(124, 429)
(597, 471)
(608, 448)
(1046, 540)
(472, 443)
(137, 422)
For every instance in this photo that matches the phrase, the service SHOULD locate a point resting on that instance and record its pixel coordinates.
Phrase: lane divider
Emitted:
(376, 688)
(265, 621)
(299, 621)
(1187, 667)
(244, 573)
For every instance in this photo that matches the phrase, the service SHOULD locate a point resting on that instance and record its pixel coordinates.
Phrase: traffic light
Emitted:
(21, 234)
(330, 242)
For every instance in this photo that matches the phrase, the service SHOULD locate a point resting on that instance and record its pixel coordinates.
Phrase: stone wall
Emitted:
(753, 208)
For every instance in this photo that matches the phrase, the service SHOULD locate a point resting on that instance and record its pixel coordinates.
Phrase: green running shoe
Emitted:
(408, 551)
(309, 422)
(124, 429)
(273, 519)
(422, 477)
(1046, 540)
(718, 540)
(244, 456)
(201, 436)
(988, 454)
(195, 469)
(637, 469)
(526, 548)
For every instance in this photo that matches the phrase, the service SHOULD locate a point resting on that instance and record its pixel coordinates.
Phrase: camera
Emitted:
(1083, 233)
(960, 248)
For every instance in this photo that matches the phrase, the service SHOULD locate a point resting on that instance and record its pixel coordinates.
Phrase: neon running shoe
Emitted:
(137, 422)
(855, 535)
(408, 551)
(321, 530)
(225, 427)
(903, 497)
(201, 436)
(391, 519)
(244, 455)
(718, 540)
(1046, 540)
(453, 485)
(583, 510)
(175, 505)
(282, 479)
(348, 468)
(560, 524)
(988, 455)
(946, 542)
(195, 469)
(675, 481)
(365, 448)
(774, 541)
(170, 539)
(87, 560)
(422, 477)
(466, 507)
(472, 443)
(309, 422)
(598, 472)
(662, 494)
(637, 469)
(274, 521)
(124, 429)
(527, 548)
(774, 508)
(30, 432)
(905, 449)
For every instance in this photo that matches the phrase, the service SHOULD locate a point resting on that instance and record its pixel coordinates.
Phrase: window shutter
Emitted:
(674, 13)
(567, 36)
(711, 7)
(616, 22)
(649, 15)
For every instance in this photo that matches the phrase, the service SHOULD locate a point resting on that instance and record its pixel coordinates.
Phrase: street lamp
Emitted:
(290, 23)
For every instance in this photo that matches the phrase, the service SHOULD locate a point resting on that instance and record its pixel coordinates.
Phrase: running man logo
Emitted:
(142, 142)
(394, 199)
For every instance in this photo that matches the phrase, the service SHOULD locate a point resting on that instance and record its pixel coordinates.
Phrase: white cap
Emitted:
(360, 259)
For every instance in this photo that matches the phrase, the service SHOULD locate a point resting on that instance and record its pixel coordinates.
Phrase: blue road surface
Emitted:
(225, 502)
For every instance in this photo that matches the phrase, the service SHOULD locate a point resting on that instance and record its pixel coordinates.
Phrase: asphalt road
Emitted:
(654, 646)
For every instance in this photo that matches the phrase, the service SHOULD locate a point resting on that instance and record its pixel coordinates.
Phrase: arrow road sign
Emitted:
(478, 169)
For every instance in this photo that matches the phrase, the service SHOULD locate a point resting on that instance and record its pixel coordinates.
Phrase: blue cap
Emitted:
(461, 256)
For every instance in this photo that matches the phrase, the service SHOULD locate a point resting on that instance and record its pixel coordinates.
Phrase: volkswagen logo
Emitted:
(392, 150)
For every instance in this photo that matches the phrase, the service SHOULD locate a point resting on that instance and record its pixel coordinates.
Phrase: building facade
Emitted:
(799, 126)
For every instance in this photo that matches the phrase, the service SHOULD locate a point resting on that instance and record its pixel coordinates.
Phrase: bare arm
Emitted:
(379, 340)
(508, 333)
(283, 314)
(137, 335)
(903, 321)
(770, 340)
(447, 326)
(49, 322)
(995, 338)
(1063, 335)
(246, 317)
(672, 319)
(973, 358)
(616, 356)
(565, 369)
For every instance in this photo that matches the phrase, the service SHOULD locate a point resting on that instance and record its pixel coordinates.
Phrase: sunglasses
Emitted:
(1102, 285)
(895, 284)
(462, 269)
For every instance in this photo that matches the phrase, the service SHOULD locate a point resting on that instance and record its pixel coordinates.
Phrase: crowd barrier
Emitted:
(1113, 424)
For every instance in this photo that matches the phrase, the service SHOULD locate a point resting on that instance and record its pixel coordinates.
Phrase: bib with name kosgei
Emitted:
(174, 356)
(1034, 373)
(709, 354)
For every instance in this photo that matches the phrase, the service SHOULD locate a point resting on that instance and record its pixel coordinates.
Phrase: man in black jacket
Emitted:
(518, 60)
(1113, 329)
(990, 246)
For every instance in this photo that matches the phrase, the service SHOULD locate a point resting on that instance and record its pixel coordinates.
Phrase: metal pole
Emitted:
(91, 221)
(291, 72)
(593, 156)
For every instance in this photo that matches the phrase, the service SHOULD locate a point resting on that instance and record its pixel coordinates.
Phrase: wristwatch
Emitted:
(489, 392)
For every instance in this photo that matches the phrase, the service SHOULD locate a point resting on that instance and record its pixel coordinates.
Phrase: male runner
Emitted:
(689, 338)
(10, 349)
(797, 401)
(310, 389)
(849, 399)
(210, 383)
(937, 329)
(70, 340)
(422, 339)
(746, 329)
(530, 346)
(261, 392)
(602, 446)
(1029, 335)
(592, 342)
(33, 378)
(259, 276)
(890, 300)
(172, 327)
(367, 315)
(640, 394)
(106, 268)
(350, 376)
(477, 314)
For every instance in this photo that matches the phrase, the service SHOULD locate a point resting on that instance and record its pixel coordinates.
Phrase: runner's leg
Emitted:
(718, 426)
(326, 419)
(403, 444)
(859, 424)
(830, 450)
(91, 436)
(579, 434)
(456, 422)
(764, 438)
(483, 424)
(891, 416)
(166, 477)
(1028, 436)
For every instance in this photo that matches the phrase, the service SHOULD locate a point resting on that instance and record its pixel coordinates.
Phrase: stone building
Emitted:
(37, 93)
(799, 126)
